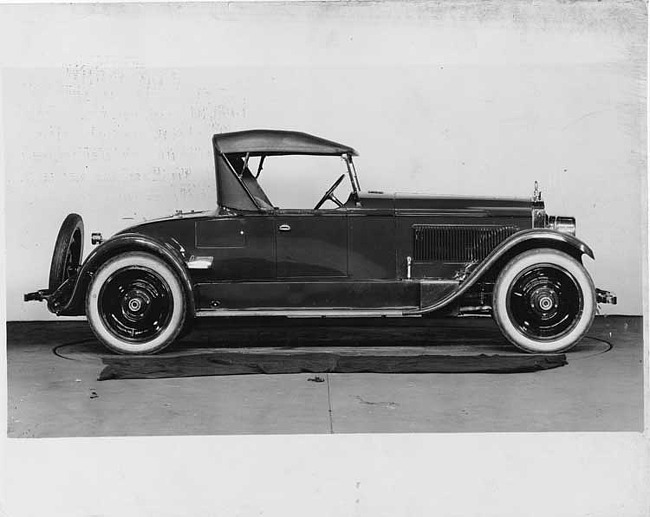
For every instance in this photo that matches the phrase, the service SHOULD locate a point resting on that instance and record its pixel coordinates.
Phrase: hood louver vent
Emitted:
(457, 243)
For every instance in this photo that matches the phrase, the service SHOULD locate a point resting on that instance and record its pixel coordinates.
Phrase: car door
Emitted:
(281, 259)
(311, 244)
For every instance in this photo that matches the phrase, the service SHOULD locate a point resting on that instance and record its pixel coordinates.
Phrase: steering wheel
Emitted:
(330, 194)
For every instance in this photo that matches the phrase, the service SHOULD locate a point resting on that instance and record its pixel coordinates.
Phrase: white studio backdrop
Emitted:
(434, 100)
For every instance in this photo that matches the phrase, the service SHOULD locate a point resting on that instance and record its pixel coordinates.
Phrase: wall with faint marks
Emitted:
(108, 111)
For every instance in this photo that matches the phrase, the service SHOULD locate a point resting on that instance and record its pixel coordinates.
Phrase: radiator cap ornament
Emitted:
(537, 194)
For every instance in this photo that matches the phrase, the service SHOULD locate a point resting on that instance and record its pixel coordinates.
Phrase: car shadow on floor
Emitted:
(383, 336)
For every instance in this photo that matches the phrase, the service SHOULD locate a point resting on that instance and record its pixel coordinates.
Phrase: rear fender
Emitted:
(518, 243)
(74, 306)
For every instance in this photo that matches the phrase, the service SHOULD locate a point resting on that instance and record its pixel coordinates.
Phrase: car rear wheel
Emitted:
(544, 301)
(68, 251)
(135, 304)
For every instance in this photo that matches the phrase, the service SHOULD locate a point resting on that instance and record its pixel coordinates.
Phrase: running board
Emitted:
(305, 313)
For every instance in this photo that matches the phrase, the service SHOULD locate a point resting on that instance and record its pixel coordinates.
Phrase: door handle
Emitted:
(284, 228)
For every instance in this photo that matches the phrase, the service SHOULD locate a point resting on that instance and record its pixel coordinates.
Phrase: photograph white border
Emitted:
(573, 474)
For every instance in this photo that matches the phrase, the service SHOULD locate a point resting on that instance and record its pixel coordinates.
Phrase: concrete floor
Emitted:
(54, 395)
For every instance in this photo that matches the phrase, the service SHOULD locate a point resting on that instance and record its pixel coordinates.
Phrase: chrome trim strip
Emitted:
(302, 313)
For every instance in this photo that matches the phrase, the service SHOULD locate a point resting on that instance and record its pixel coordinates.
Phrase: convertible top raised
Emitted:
(237, 186)
(269, 142)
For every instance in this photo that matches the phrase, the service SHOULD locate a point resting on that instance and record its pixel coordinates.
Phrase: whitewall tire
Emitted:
(544, 301)
(135, 304)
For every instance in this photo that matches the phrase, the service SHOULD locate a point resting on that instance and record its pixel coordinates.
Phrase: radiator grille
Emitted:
(457, 243)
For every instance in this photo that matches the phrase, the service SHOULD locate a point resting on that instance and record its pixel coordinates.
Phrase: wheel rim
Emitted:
(135, 304)
(545, 302)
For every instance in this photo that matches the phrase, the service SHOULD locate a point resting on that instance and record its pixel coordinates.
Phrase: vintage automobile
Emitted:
(374, 254)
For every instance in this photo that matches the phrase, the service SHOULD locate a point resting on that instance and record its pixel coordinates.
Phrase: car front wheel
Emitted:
(544, 301)
(135, 304)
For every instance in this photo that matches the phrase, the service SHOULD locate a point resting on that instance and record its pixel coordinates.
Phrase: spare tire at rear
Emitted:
(68, 251)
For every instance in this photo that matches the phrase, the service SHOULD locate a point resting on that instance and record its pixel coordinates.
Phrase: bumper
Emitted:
(38, 296)
(603, 296)
(56, 300)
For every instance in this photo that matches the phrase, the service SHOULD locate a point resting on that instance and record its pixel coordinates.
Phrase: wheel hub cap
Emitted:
(544, 301)
(135, 304)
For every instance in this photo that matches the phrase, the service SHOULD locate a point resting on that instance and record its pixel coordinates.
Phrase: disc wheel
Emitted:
(135, 304)
(544, 301)
(68, 251)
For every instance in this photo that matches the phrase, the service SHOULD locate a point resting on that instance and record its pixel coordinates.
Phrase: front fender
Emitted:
(553, 237)
(74, 306)
(519, 242)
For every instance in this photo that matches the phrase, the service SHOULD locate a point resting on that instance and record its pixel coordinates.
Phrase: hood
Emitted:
(516, 206)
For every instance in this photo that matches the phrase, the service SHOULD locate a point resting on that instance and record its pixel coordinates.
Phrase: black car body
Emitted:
(374, 254)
